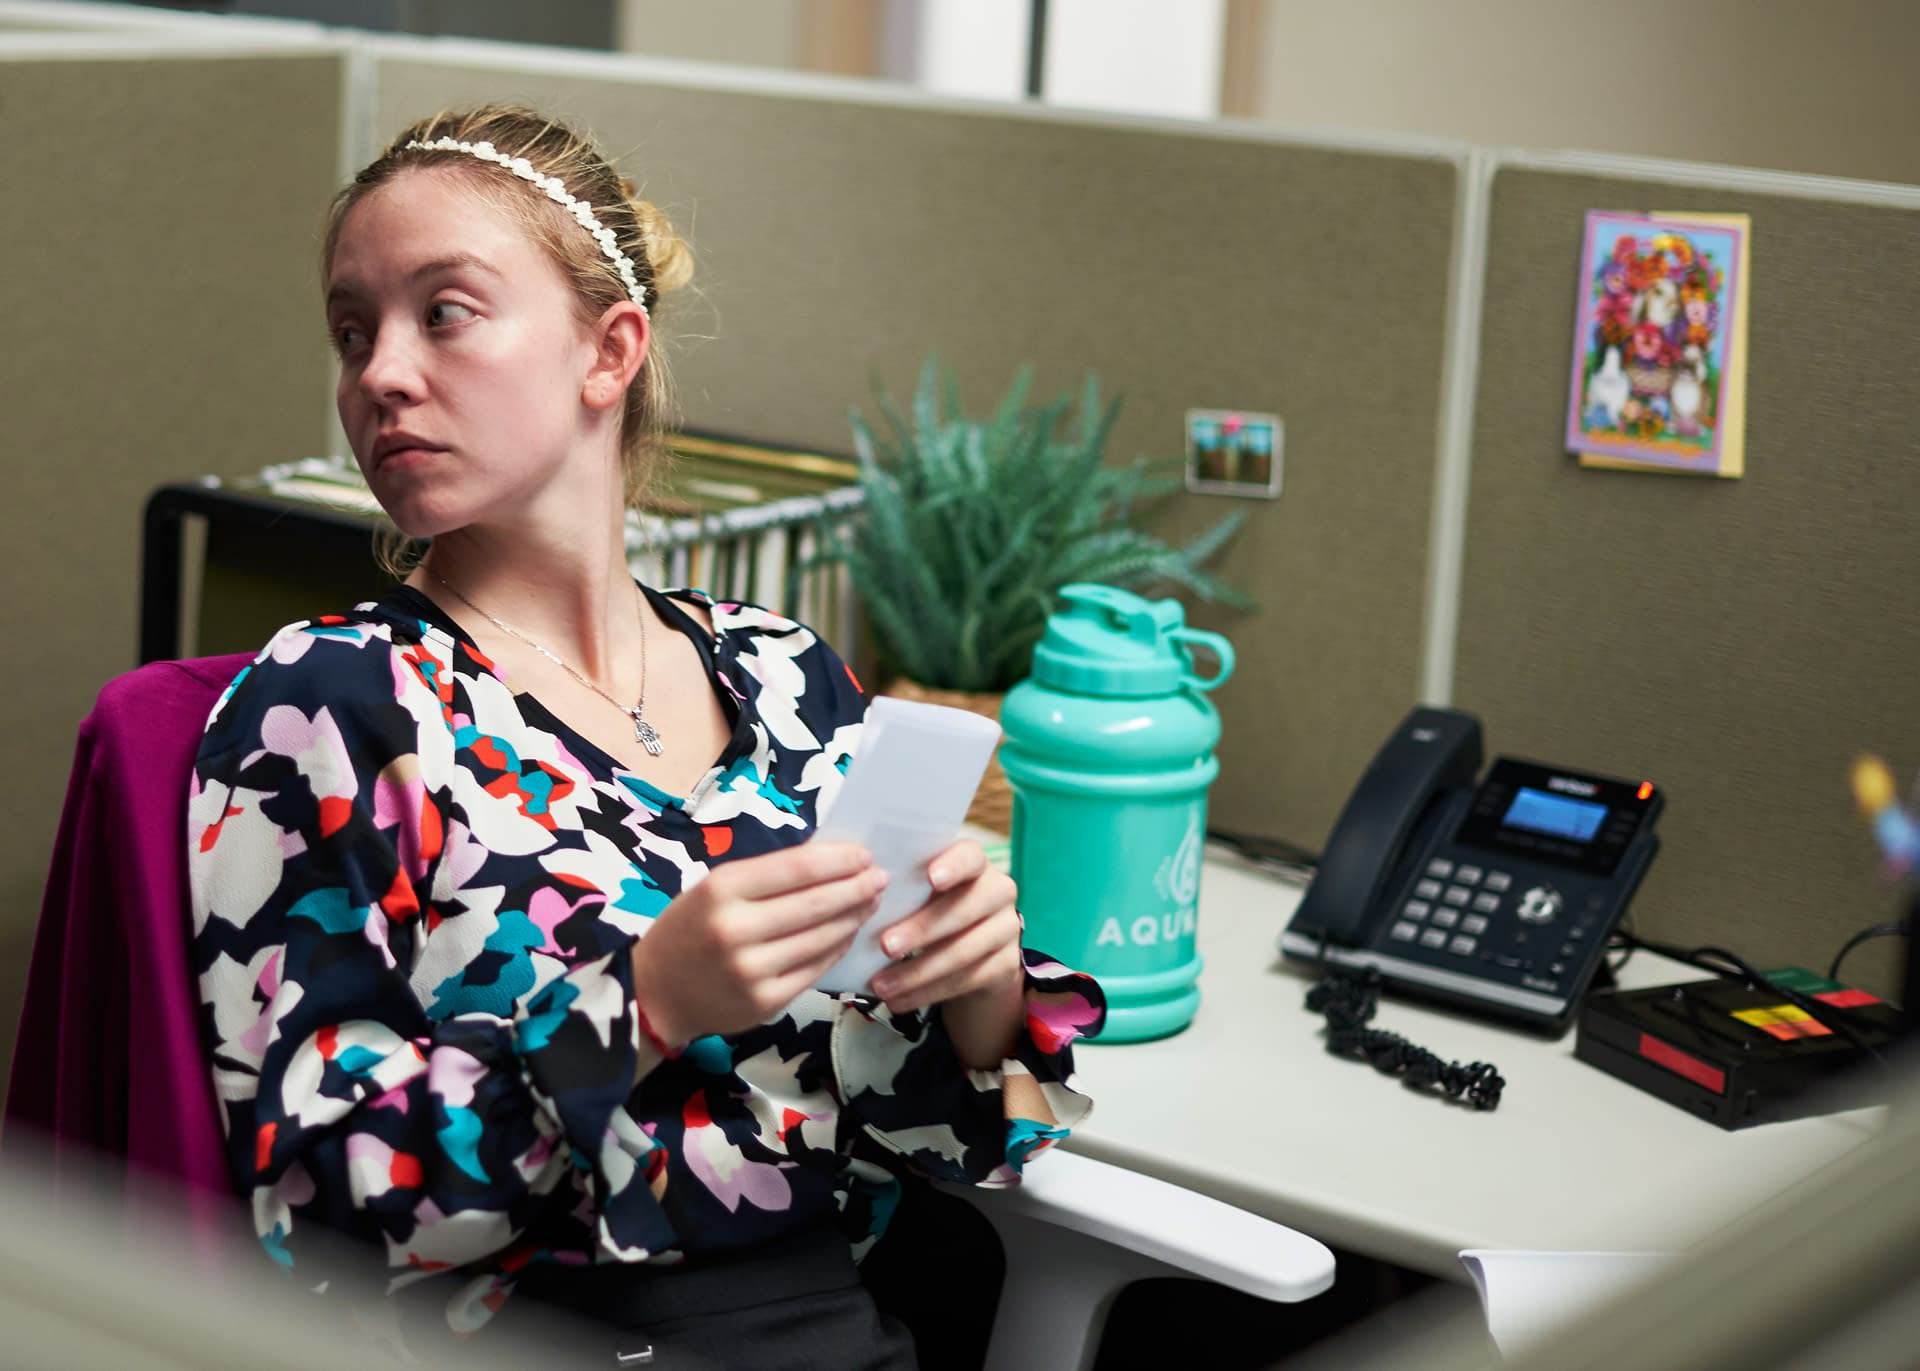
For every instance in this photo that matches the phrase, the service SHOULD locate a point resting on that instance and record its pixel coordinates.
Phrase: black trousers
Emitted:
(795, 1305)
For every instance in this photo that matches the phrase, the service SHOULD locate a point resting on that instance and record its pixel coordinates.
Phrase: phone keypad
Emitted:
(1457, 909)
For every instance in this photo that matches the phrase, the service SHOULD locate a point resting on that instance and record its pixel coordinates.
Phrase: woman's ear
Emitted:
(621, 340)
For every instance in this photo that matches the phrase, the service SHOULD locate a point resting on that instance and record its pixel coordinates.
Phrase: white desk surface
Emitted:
(1247, 1105)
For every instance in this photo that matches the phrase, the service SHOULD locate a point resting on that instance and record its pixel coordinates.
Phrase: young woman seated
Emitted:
(506, 917)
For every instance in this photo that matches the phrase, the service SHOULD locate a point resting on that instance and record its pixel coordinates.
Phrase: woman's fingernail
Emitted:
(937, 875)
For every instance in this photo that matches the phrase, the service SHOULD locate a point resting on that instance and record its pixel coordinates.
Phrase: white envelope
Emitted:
(904, 798)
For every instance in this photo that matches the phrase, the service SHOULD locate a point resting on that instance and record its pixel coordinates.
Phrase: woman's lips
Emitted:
(405, 454)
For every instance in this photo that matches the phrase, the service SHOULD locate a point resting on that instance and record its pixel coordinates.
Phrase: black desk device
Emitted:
(1496, 894)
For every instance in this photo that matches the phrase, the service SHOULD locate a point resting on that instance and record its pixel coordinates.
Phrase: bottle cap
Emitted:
(1106, 641)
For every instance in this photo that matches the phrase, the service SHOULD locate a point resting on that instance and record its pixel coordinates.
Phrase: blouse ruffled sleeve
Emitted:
(911, 1094)
(326, 853)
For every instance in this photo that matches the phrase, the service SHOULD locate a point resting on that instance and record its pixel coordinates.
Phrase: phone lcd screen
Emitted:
(1556, 816)
(1571, 819)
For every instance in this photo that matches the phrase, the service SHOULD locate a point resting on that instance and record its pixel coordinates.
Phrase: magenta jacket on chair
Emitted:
(109, 1058)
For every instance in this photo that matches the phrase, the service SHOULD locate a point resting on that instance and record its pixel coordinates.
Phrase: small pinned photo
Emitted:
(1233, 452)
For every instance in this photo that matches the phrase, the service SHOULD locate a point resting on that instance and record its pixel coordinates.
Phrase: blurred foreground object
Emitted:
(1895, 827)
(1825, 1274)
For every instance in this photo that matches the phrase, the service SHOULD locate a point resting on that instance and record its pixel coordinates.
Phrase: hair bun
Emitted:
(667, 251)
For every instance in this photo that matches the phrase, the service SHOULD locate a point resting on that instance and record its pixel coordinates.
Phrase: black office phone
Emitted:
(1495, 894)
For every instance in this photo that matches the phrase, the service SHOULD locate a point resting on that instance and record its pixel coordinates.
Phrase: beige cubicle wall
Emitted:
(845, 231)
(1738, 642)
(159, 228)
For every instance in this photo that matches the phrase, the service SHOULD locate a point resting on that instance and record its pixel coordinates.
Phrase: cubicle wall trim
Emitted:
(1709, 176)
(158, 45)
(1459, 383)
(861, 90)
(142, 19)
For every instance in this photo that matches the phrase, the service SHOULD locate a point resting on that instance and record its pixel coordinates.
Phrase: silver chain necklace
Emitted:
(644, 733)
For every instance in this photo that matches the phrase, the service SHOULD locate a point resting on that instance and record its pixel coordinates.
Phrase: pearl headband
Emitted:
(557, 192)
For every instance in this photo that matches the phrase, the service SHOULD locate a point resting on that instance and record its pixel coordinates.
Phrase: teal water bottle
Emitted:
(1109, 751)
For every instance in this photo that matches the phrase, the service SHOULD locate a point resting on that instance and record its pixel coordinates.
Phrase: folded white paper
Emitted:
(1529, 1295)
(904, 798)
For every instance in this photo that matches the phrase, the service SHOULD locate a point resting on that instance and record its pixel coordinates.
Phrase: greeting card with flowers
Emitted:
(1659, 355)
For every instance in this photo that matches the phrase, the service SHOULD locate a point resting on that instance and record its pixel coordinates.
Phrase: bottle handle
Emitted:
(1222, 650)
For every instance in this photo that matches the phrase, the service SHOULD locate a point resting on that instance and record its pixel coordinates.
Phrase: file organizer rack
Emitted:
(298, 538)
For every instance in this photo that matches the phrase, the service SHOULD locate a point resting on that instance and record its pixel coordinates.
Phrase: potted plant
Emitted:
(970, 526)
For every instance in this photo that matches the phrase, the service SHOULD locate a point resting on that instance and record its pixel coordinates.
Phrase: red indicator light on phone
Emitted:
(1646, 789)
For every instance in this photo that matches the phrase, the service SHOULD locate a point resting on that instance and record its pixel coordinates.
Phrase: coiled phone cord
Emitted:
(1349, 1000)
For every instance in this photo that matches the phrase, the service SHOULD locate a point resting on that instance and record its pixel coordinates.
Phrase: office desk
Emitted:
(1247, 1105)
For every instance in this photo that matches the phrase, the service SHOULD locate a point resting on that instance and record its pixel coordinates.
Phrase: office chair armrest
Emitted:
(1194, 1234)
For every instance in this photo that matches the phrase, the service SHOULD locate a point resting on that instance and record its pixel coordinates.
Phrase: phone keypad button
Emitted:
(1426, 890)
(1498, 880)
(1486, 903)
(1474, 923)
(1445, 918)
(1462, 946)
(1433, 937)
(1468, 875)
(1440, 867)
(1457, 894)
(1404, 932)
(1416, 910)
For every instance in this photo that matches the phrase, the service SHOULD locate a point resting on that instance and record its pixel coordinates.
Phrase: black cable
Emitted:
(1622, 940)
(1887, 930)
(1736, 968)
(1348, 999)
(1276, 854)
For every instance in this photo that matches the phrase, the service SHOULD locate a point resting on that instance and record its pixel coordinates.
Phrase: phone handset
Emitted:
(1434, 753)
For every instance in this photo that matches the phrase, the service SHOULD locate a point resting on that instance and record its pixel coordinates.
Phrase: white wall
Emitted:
(1830, 87)
(1141, 56)
(969, 47)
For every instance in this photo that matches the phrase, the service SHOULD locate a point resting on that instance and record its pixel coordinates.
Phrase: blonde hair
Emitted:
(662, 261)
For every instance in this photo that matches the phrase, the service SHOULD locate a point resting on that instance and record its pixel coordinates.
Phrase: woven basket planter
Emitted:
(992, 806)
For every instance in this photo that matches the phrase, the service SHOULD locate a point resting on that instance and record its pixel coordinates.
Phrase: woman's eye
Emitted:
(442, 312)
(346, 338)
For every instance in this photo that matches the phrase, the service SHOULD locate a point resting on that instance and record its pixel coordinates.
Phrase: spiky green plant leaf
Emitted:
(970, 527)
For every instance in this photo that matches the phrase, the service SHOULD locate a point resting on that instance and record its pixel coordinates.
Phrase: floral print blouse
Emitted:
(414, 893)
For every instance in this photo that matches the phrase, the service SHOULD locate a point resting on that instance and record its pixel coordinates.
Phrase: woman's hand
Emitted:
(738, 947)
(965, 950)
